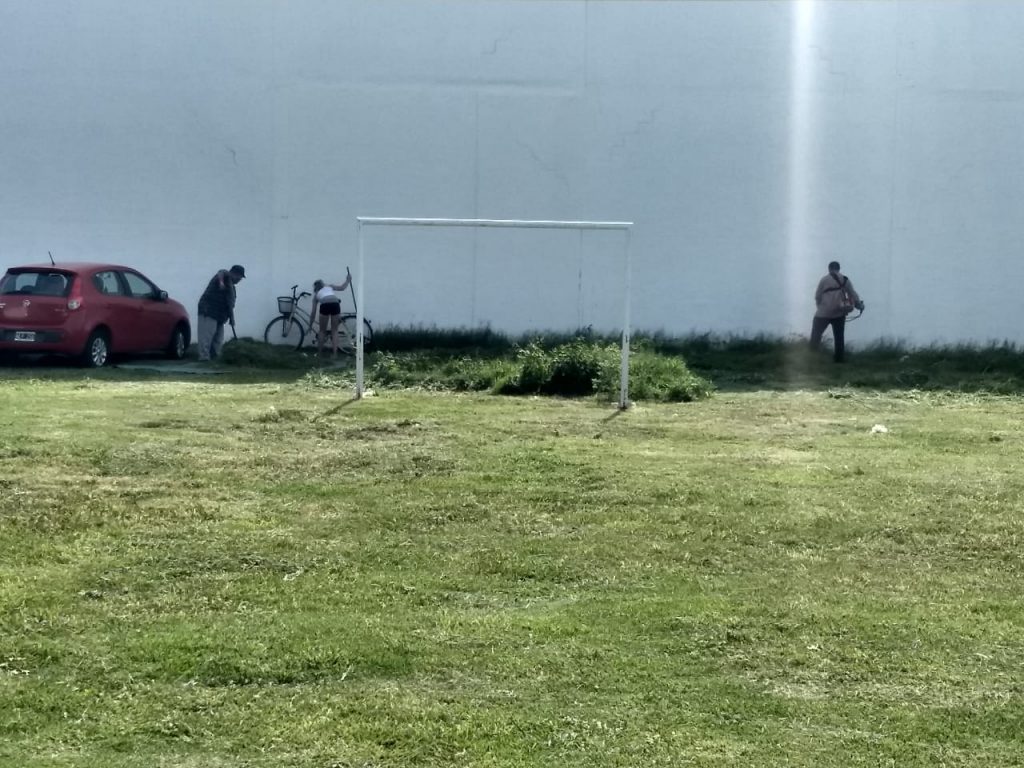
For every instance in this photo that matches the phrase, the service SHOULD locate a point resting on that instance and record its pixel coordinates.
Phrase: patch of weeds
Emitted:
(582, 367)
(840, 394)
(570, 369)
(249, 353)
(169, 423)
(383, 428)
(438, 371)
(662, 367)
(273, 415)
(320, 379)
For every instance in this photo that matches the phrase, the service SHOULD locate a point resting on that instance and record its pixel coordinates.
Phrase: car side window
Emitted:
(138, 286)
(106, 283)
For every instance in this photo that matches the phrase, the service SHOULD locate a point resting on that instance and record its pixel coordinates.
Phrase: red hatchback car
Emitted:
(91, 311)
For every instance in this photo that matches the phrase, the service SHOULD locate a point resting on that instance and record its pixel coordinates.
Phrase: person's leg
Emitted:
(839, 338)
(205, 332)
(818, 327)
(335, 322)
(323, 332)
(218, 341)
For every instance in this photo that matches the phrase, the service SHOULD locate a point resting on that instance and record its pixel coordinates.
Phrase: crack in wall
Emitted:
(641, 125)
(547, 167)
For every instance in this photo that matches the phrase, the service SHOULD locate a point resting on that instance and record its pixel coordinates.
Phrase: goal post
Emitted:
(375, 221)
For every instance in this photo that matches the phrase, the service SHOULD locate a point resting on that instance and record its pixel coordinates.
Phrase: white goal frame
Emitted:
(374, 221)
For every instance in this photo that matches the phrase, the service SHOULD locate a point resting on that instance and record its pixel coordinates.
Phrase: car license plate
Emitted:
(25, 336)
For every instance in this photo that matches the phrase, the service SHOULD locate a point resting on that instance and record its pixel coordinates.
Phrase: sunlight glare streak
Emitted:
(800, 254)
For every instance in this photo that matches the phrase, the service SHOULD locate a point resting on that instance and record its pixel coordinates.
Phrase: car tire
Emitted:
(97, 350)
(178, 344)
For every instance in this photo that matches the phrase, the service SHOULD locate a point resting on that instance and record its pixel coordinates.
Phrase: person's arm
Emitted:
(344, 285)
(854, 295)
(312, 312)
(819, 292)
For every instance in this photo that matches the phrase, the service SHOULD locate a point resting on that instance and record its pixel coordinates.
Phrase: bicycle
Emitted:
(294, 324)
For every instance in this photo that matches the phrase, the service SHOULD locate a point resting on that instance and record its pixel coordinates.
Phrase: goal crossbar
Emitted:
(520, 223)
(626, 226)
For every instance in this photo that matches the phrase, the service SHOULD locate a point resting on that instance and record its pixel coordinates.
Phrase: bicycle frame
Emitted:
(294, 318)
(300, 316)
(307, 329)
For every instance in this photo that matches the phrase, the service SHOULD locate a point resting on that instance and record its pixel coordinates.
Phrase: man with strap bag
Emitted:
(835, 299)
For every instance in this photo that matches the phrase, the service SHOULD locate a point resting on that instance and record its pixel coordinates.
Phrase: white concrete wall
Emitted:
(751, 142)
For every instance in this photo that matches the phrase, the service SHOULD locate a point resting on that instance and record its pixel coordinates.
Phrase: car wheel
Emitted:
(97, 350)
(179, 343)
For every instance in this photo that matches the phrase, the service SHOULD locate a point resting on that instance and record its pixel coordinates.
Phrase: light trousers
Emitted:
(211, 338)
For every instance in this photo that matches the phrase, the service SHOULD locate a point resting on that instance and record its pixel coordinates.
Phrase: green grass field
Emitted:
(250, 570)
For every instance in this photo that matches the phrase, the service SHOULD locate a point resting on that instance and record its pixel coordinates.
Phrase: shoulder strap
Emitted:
(839, 286)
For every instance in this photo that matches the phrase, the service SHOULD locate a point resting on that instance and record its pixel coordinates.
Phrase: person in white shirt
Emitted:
(325, 297)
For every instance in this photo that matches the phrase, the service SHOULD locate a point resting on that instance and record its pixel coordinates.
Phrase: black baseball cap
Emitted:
(238, 269)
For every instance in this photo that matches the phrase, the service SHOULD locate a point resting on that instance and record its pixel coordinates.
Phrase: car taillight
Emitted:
(74, 303)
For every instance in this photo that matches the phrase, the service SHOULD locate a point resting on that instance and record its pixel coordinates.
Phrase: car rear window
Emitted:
(35, 283)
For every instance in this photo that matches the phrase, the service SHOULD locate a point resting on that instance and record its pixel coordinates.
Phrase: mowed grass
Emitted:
(235, 572)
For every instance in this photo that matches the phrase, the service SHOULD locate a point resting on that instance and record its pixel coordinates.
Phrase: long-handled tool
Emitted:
(351, 289)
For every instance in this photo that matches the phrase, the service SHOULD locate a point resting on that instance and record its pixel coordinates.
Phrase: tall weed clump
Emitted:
(571, 369)
(581, 367)
(659, 378)
(438, 371)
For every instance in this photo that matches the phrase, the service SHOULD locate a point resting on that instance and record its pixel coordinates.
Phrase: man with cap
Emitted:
(216, 307)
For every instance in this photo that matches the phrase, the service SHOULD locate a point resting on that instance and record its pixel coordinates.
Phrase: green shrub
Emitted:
(534, 370)
(436, 370)
(569, 369)
(580, 368)
(662, 367)
(659, 378)
(576, 366)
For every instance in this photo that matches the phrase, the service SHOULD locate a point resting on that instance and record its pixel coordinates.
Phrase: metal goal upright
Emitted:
(374, 221)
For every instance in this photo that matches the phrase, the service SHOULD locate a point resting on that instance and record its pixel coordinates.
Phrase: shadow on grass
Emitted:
(340, 406)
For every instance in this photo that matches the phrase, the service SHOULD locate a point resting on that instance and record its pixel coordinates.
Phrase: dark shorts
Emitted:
(330, 308)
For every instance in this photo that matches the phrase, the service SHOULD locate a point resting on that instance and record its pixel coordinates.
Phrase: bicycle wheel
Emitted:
(284, 331)
(347, 334)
